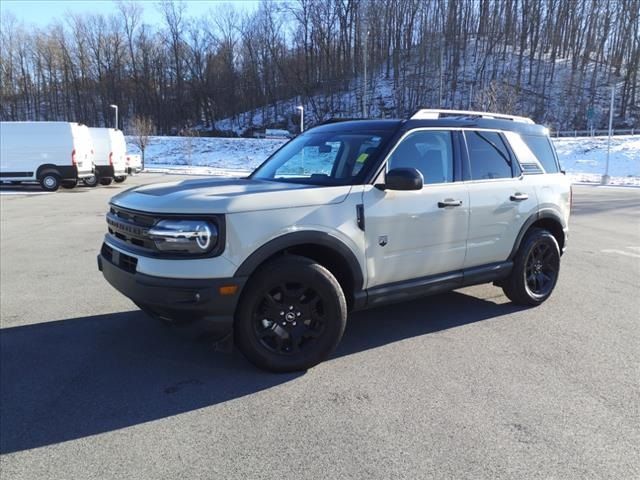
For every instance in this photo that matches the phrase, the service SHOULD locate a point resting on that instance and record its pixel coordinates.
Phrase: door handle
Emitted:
(519, 197)
(449, 202)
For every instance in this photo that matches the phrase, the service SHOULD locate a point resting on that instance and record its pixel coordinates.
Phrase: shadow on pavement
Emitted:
(69, 379)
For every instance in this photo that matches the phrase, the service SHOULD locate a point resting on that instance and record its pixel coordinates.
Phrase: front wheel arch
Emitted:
(321, 247)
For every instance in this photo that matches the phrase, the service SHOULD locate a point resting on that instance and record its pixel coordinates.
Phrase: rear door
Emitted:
(501, 199)
(413, 234)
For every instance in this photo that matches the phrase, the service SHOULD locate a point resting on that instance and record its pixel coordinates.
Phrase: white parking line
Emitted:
(22, 192)
(623, 252)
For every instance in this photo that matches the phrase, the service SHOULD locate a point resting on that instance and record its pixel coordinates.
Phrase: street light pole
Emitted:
(116, 109)
(301, 108)
(605, 177)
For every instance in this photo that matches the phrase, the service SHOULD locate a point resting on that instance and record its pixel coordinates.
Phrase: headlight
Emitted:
(184, 236)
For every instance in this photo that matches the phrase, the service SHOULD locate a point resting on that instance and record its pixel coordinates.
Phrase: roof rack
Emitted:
(433, 114)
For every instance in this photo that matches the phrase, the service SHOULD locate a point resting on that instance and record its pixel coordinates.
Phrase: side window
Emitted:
(488, 155)
(541, 147)
(428, 151)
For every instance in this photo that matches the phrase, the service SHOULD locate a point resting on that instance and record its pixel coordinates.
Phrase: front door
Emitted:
(413, 234)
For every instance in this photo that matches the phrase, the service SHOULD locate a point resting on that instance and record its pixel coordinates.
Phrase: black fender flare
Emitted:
(551, 214)
(288, 240)
(47, 168)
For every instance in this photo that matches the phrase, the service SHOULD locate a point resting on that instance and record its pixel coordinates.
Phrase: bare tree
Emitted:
(142, 129)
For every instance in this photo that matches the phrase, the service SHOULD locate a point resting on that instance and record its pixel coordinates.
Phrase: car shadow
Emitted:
(69, 379)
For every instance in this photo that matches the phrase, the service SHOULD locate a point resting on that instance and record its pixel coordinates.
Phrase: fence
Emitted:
(594, 132)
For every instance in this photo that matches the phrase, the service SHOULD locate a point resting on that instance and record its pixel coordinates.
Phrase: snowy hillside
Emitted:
(584, 158)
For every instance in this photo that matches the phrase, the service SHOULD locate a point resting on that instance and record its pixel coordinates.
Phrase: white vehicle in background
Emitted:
(134, 163)
(110, 150)
(53, 154)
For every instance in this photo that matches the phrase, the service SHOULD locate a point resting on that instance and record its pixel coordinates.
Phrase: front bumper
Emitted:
(173, 298)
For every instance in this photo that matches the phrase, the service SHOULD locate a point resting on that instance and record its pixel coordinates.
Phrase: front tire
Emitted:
(106, 181)
(120, 179)
(535, 271)
(50, 181)
(291, 316)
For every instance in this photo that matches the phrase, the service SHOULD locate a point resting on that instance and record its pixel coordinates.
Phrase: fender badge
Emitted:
(382, 240)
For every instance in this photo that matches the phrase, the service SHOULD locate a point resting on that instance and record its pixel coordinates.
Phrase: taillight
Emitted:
(110, 158)
(73, 157)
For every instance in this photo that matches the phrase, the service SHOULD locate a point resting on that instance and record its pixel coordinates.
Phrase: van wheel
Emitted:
(50, 181)
(91, 181)
(120, 179)
(69, 184)
(535, 269)
(291, 316)
(106, 181)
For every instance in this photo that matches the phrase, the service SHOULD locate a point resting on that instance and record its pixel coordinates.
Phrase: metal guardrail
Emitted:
(594, 132)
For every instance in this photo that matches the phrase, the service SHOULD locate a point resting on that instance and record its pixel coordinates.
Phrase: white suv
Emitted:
(346, 216)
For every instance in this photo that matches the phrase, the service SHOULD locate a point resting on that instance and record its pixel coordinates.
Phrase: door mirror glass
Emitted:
(403, 179)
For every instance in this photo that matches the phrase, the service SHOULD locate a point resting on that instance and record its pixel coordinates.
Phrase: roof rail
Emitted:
(433, 114)
(339, 119)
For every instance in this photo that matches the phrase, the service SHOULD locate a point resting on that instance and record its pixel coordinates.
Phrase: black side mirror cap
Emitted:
(402, 179)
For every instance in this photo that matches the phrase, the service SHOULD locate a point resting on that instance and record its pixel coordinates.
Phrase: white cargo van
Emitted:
(51, 153)
(110, 150)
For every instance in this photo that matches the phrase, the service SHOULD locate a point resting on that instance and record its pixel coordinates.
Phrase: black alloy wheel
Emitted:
(536, 268)
(289, 318)
(541, 270)
(291, 315)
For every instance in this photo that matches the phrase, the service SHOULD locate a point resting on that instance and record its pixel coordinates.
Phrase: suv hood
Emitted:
(226, 195)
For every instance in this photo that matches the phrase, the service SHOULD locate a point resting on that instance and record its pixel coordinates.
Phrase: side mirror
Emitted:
(403, 179)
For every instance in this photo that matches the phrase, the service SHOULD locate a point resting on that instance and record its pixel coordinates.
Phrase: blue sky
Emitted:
(43, 12)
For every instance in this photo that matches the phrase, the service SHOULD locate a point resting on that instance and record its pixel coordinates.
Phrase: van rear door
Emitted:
(82, 153)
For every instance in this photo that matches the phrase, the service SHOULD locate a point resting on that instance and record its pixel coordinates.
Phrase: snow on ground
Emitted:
(583, 158)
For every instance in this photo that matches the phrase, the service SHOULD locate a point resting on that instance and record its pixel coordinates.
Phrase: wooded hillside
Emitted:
(553, 60)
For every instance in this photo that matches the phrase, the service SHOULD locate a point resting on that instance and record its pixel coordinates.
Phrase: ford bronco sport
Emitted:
(348, 215)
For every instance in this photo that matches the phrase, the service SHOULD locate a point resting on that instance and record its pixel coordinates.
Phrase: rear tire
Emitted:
(69, 184)
(106, 181)
(91, 181)
(291, 316)
(50, 181)
(535, 271)
(120, 179)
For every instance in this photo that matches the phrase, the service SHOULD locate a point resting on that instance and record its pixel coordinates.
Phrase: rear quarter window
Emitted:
(541, 147)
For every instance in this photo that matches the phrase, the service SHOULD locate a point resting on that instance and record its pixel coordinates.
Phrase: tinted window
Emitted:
(430, 152)
(488, 155)
(541, 148)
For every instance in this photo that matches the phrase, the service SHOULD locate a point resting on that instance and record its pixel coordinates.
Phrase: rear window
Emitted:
(541, 148)
(488, 156)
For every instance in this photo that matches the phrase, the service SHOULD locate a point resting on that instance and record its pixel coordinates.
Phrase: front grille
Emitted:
(119, 259)
(131, 227)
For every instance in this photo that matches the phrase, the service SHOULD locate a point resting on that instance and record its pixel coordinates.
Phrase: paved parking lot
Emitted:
(462, 385)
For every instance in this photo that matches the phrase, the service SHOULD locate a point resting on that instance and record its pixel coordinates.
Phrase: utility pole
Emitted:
(364, 80)
(605, 177)
(116, 109)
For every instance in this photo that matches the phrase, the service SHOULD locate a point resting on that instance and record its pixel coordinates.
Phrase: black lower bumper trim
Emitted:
(195, 299)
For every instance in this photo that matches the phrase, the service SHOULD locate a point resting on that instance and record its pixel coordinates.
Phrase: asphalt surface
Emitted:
(462, 385)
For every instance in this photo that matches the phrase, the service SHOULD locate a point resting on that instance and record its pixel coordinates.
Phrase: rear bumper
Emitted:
(174, 298)
(109, 171)
(72, 173)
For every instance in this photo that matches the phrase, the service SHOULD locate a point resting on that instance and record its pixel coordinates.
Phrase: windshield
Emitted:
(323, 158)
